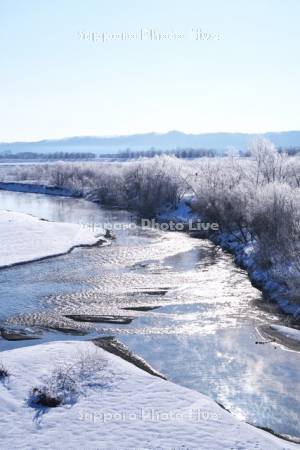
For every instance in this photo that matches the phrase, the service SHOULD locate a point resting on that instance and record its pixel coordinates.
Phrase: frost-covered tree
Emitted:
(271, 165)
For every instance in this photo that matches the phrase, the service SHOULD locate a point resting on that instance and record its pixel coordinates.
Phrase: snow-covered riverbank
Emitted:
(35, 188)
(26, 238)
(113, 405)
(263, 279)
(288, 337)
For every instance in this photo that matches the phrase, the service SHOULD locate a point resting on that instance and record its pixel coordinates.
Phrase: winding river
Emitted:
(202, 331)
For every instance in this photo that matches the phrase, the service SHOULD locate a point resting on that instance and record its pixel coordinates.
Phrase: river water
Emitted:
(203, 333)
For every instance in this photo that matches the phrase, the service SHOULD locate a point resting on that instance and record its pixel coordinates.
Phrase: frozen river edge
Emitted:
(25, 238)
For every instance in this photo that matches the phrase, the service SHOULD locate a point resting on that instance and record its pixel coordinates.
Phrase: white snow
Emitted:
(26, 238)
(117, 407)
(290, 333)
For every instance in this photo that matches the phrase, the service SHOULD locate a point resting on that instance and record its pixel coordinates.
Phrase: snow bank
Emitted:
(35, 188)
(285, 336)
(26, 238)
(118, 407)
(290, 333)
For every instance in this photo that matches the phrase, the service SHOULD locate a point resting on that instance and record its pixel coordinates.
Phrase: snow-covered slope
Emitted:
(26, 238)
(288, 332)
(117, 406)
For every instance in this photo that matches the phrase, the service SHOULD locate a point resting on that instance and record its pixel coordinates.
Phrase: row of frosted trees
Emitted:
(254, 200)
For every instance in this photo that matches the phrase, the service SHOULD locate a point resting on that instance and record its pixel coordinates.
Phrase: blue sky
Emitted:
(54, 84)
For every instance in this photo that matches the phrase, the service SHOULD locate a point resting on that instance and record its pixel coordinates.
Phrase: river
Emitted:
(203, 333)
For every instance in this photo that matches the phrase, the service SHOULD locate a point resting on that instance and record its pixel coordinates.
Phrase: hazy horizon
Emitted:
(154, 133)
(163, 141)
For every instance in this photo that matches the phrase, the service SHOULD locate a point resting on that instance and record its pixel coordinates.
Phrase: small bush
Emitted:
(65, 382)
(58, 388)
(4, 373)
(42, 398)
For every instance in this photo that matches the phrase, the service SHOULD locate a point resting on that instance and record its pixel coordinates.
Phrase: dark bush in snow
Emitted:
(4, 373)
(67, 381)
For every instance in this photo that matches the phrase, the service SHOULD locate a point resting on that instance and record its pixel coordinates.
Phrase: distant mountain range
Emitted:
(167, 141)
